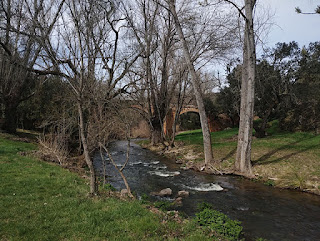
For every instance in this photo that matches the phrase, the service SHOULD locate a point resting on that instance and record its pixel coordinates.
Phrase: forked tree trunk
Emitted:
(196, 87)
(243, 157)
(93, 176)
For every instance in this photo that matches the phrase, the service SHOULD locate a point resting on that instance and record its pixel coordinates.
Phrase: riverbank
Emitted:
(284, 160)
(42, 201)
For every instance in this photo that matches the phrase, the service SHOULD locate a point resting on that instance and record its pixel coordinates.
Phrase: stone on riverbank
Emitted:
(163, 193)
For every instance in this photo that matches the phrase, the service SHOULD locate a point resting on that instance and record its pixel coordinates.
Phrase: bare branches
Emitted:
(240, 10)
(316, 11)
(119, 169)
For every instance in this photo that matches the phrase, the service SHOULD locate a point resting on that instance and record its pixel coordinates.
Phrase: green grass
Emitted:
(42, 201)
(291, 158)
(299, 141)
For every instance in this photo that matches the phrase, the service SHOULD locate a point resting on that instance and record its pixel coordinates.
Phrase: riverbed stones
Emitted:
(178, 201)
(163, 193)
(179, 161)
(183, 193)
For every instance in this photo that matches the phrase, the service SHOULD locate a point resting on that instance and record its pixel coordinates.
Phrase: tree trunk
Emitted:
(196, 87)
(93, 176)
(10, 121)
(156, 131)
(243, 157)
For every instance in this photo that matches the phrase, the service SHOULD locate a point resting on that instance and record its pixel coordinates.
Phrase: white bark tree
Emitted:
(207, 146)
(243, 156)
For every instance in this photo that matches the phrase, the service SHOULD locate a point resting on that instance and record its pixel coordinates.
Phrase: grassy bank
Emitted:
(282, 159)
(42, 201)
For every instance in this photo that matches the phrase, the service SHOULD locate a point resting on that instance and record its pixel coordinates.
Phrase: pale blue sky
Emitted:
(291, 26)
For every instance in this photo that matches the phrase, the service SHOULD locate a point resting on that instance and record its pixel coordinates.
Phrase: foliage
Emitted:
(261, 239)
(204, 205)
(109, 187)
(303, 112)
(287, 88)
(189, 121)
(144, 198)
(219, 223)
(164, 205)
(269, 183)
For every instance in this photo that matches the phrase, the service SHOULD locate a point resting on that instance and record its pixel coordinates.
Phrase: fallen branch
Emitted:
(120, 169)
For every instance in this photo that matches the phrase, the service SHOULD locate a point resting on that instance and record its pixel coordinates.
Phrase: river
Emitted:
(267, 212)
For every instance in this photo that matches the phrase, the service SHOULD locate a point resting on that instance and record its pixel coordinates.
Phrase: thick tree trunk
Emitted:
(196, 87)
(93, 176)
(243, 157)
(10, 121)
(261, 127)
(156, 131)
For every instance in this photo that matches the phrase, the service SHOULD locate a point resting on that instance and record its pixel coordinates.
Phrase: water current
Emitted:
(267, 212)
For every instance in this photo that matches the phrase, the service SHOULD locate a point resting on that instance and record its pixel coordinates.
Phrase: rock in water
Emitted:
(183, 193)
(178, 201)
(163, 193)
(179, 161)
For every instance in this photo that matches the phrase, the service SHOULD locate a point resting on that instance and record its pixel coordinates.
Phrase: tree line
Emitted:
(287, 89)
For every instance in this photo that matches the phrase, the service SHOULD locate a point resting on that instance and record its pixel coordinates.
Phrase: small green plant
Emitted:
(300, 180)
(144, 199)
(219, 223)
(269, 183)
(261, 239)
(164, 205)
(204, 205)
(109, 187)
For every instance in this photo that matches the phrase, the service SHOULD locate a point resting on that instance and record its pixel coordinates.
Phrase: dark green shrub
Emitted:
(164, 205)
(144, 199)
(109, 187)
(219, 223)
(269, 183)
(204, 205)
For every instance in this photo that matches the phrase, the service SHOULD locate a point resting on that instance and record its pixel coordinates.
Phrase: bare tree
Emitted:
(196, 86)
(20, 51)
(88, 51)
(154, 32)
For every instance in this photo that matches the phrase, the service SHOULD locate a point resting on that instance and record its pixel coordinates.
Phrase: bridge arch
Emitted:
(169, 119)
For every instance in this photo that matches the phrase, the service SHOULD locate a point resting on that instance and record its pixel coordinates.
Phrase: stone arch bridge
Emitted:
(169, 119)
(214, 123)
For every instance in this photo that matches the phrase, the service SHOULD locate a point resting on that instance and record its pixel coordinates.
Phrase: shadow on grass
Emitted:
(230, 154)
(263, 160)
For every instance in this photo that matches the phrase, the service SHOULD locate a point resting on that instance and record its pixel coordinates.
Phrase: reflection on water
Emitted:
(266, 212)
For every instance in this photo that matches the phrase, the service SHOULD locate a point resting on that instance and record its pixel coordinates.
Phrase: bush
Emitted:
(204, 205)
(269, 183)
(219, 223)
(109, 187)
(164, 205)
(144, 199)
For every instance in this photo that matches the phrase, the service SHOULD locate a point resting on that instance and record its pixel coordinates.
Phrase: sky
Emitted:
(287, 25)
(291, 26)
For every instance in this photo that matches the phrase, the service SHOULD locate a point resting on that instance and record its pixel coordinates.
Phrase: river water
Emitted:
(266, 212)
